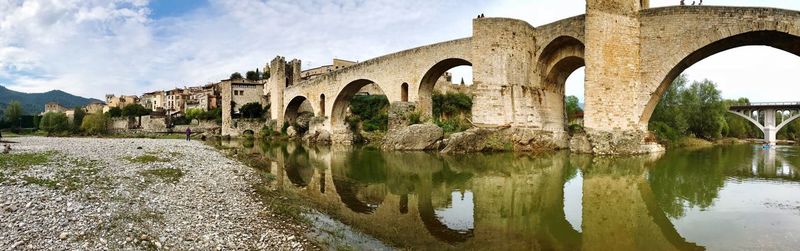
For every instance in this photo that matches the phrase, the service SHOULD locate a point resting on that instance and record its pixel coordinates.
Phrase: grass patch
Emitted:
(146, 159)
(21, 161)
(52, 184)
(171, 175)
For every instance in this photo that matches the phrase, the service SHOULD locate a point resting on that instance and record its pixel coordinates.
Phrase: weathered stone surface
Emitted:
(318, 137)
(579, 143)
(398, 114)
(414, 138)
(505, 139)
(620, 142)
(291, 132)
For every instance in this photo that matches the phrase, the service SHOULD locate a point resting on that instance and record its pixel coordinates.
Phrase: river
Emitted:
(739, 197)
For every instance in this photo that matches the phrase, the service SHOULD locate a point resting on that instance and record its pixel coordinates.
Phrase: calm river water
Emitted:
(720, 198)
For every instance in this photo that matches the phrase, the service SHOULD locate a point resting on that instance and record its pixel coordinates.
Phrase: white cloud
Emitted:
(91, 47)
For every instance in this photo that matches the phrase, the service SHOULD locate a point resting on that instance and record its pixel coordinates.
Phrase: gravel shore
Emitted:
(133, 194)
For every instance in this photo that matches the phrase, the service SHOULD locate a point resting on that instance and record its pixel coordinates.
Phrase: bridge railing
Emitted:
(792, 104)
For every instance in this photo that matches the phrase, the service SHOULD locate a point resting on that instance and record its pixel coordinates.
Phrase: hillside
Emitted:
(33, 103)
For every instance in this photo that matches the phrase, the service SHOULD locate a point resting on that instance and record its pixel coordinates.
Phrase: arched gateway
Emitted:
(631, 54)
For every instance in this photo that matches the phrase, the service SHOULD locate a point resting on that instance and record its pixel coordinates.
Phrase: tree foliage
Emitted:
(134, 110)
(114, 112)
(572, 107)
(252, 75)
(54, 122)
(95, 124)
(451, 104)
(369, 111)
(13, 113)
(251, 110)
(236, 76)
(695, 110)
(77, 118)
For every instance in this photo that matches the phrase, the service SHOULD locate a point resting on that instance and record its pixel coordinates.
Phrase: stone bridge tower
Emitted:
(613, 75)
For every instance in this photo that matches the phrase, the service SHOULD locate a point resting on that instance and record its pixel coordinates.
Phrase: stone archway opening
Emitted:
(298, 115)
(562, 67)
(370, 113)
(452, 75)
(738, 45)
(404, 92)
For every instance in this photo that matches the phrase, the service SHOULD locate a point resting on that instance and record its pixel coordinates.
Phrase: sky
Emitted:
(97, 47)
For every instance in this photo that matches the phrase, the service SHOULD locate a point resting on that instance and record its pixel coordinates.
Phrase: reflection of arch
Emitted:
(435, 226)
(663, 223)
(404, 92)
(559, 59)
(347, 191)
(249, 132)
(776, 39)
(424, 98)
(342, 102)
(292, 109)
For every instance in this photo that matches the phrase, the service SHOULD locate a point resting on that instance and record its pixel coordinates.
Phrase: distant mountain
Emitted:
(33, 103)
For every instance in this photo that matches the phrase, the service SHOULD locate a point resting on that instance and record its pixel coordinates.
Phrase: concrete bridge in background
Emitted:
(769, 117)
(631, 52)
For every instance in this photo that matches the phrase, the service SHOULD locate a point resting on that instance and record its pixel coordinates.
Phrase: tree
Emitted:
(572, 107)
(77, 118)
(251, 110)
(251, 75)
(265, 75)
(114, 112)
(54, 122)
(193, 113)
(13, 114)
(134, 110)
(95, 124)
(236, 76)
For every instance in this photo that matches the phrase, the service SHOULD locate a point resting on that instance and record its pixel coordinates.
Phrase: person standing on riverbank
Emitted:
(188, 133)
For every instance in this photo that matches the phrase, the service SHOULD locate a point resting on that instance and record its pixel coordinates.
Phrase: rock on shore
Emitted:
(133, 194)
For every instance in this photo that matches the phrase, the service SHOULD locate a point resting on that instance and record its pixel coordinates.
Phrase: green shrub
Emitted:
(451, 104)
(414, 117)
(251, 110)
(193, 113)
(95, 124)
(451, 125)
(55, 122)
(371, 111)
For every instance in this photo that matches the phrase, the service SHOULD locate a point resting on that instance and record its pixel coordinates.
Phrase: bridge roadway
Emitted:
(519, 71)
(766, 115)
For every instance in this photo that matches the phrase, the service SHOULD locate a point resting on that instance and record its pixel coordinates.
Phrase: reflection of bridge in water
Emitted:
(518, 202)
(769, 117)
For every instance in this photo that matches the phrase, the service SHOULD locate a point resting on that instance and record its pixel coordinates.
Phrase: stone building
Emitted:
(53, 107)
(121, 101)
(153, 100)
(94, 107)
(175, 100)
(338, 64)
(235, 94)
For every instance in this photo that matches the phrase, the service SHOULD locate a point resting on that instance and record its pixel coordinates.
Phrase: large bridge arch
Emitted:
(292, 110)
(425, 92)
(557, 61)
(342, 102)
(708, 31)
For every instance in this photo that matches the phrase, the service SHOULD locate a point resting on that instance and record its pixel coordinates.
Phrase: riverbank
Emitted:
(88, 193)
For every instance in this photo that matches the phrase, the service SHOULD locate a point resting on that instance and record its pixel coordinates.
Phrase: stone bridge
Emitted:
(631, 52)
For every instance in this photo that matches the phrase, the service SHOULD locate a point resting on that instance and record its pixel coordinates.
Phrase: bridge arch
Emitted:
(425, 94)
(342, 102)
(558, 60)
(293, 108)
(786, 122)
(728, 28)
